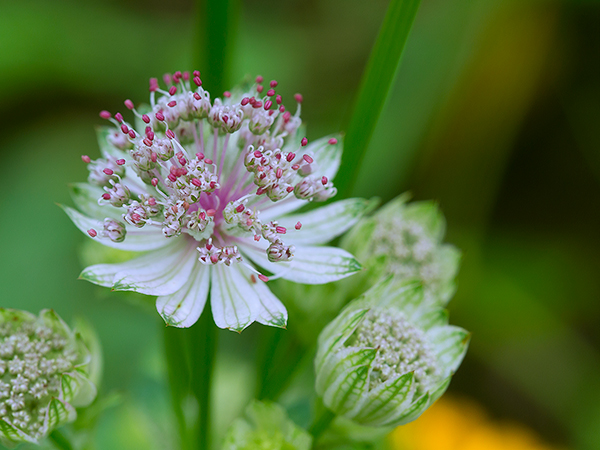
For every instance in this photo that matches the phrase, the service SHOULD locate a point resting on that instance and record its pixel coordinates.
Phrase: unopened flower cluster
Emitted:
(388, 356)
(42, 370)
(207, 187)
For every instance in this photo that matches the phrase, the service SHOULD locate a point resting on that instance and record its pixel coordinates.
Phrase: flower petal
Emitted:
(310, 265)
(86, 198)
(58, 413)
(137, 240)
(77, 389)
(183, 308)
(161, 272)
(10, 434)
(275, 210)
(323, 224)
(450, 343)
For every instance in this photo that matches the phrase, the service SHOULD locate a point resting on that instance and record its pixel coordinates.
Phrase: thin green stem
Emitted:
(60, 441)
(374, 88)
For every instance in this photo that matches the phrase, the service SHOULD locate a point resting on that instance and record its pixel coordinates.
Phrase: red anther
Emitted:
(278, 156)
(179, 155)
(86, 159)
(252, 100)
(167, 78)
(208, 161)
(129, 104)
(290, 157)
(212, 184)
(197, 81)
(170, 134)
(92, 232)
(239, 208)
(245, 101)
(261, 277)
(259, 79)
(196, 182)
(120, 162)
(279, 172)
(295, 167)
(332, 141)
(108, 171)
(153, 84)
(210, 212)
(197, 96)
(200, 156)
(145, 118)
(257, 104)
(119, 117)
(153, 157)
(178, 74)
(135, 217)
(182, 161)
(258, 154)
(152, 201)
(175, 209)
(271, 92)
(282, 109)
(124, 128)
(173, 170)
(181, 172)
(171, 103)
(249, 222)
(225, 118)
(106, 196)
(148, 130)
(289, 189)
(172, 90)
(252, 278)
(214, 258)
(259, 88)
(186, 75)
(208, 246)
(196, 73)
(260, 191)
(268, 105)
(262, 176)
(202, 215)
(159, 116)
(298, 98)
(256, 238)
(308, 159)
(303, 142)
(271, 112)
(287, 116)
(172, 177)
(280, 230)
(132, 134)
(227, 94)
(154, 182)
(298, 226)
(273, 83)
(278, 99)
(105, 114)
(147, 142)
(185, 205)
(324, 181)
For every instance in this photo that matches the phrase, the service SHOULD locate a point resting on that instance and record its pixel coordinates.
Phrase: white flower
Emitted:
(45, 372)
(207, 191)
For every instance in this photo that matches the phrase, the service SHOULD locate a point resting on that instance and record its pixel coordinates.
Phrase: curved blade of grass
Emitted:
(375, 86)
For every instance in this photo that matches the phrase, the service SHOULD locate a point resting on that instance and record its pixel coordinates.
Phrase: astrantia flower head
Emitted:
(44, 368)
(206, 188)
(406, 241)
(387, 356)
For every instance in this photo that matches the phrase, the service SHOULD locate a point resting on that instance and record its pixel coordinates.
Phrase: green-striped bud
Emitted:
(44, 375)
(387, 356)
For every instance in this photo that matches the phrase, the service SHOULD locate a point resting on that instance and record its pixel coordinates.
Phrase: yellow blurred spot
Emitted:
(453, 424)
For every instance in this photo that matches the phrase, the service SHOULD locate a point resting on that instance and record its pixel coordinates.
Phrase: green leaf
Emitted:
(375, 87)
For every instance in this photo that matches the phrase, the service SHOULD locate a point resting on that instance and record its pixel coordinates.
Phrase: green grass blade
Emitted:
(374, 89)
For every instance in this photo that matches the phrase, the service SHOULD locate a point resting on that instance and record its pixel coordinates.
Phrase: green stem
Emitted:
(202, 345)
(60, 440)
(321, 423)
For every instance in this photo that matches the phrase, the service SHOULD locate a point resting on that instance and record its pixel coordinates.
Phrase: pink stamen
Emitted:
(259, 88)
(280, 230)
(196, 182)
(197, 82)
(120, 162)
(257, 237)
(257, 105)
(332, 141)
(287, 116)
(303, 142)
(298, 98)
(245, 101)
(197, 96)
(108, 171)
(132, 134)
(258, 154)
(268, 105)
(278, 99)
(154, 182)
(261, 277)
(106, 196)
(298, 226)
(172, 178)
(260, 191)
(282, 109)
(271, 92)
(227, 94)
(289, 189)
(279, 173)
(290, 157)
(129, 104)
(186, 75)
(259, 79)
(295, 167)
(135, 217)
(159, 116)
(308, 159)
(119, 117)
(214, 258)
(239, 208)
(200, 156)
(171, 104)
(147, 142)
(252, 278)
(324, 181)
(208, 161)
(145, 118)
(170, 134)
(210, 212)
(92, 232)
(273, 84)
(152, 201)
(105, 114)
(153, 85)
(196, 73)
(86, 159)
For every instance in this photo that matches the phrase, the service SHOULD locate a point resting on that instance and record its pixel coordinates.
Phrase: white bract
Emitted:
(208, 190)
(388, 356)
(406, 240)
(44, 370)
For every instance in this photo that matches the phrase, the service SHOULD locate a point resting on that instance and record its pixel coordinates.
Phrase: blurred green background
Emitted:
(495, 113)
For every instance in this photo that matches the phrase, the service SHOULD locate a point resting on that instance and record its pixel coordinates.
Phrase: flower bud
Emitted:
(44, 375)
(114, 230)
(388, 356)
(266, 426)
